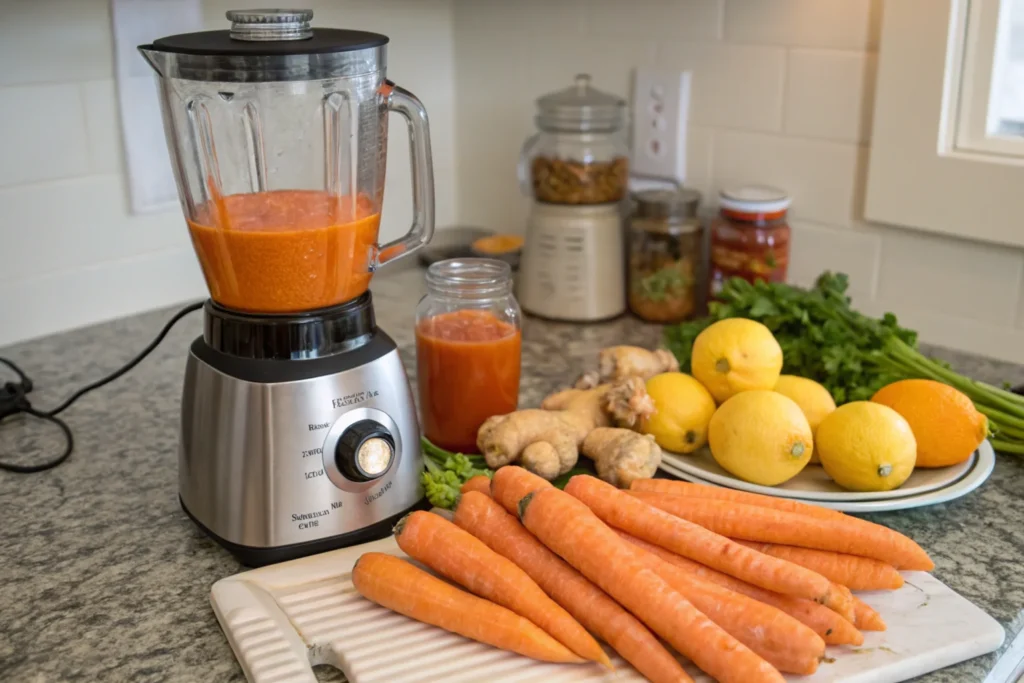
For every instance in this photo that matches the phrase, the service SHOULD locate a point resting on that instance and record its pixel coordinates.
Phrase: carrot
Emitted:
(856, 573)
(866, 618)
(685, 488)
(402, 587)
(511, 484)
(832, 628)
(840, 601)
(447, 514)
(459, 556)
(487, 520)
(622, 510)
(781, 640)
(567, 527)
(753, 523)
(480, 482)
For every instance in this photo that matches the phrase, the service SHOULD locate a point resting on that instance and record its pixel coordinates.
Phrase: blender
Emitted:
(298, 427)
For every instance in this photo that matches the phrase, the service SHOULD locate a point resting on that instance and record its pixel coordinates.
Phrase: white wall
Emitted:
(782, 94)
(71, 253)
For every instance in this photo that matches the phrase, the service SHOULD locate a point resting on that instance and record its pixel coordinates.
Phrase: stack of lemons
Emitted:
(764, 427)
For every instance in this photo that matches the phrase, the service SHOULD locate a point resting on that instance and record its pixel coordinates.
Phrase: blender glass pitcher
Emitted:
(278, 138)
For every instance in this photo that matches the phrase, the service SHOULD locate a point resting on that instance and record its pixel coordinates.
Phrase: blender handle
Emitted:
(525, 185)
(408, 105)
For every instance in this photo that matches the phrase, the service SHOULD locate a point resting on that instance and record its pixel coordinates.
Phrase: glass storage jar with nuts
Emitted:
(580, 154)
(664, 254)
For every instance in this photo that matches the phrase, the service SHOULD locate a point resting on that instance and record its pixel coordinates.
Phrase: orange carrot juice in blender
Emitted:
(285, 250)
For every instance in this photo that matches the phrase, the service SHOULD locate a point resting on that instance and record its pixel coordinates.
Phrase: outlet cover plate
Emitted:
(661, 103)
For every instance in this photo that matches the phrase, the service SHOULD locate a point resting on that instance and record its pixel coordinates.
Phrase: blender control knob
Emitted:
(365, 451)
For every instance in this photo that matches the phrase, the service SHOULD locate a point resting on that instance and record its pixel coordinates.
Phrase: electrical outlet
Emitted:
(661, 103)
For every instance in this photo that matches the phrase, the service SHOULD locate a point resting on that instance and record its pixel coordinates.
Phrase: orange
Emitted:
(946, 425)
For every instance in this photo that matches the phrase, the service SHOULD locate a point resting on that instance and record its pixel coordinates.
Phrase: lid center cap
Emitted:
(261, 25)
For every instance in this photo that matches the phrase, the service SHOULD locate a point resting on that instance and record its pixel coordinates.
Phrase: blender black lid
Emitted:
(324, 40)
(275, 32)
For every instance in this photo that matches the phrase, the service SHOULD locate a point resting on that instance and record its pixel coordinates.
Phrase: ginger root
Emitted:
(546, 441)
(622, 455)
(621, 362)
(543, 441)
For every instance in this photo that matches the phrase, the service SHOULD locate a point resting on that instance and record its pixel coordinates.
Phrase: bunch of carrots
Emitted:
(747, 587)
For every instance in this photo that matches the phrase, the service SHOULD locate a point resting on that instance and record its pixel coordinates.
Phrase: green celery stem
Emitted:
(1007, 446)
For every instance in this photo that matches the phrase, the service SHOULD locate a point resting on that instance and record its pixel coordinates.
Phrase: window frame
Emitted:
(918, 176)
(983, 36)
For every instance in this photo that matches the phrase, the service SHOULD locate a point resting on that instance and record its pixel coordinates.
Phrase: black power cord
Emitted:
(14, 400)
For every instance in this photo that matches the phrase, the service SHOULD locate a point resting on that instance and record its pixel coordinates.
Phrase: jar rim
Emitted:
(471, 276)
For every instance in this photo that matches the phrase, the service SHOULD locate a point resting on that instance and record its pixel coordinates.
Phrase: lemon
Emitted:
(866, 446)
(735, 355)
(813, 399)
(761, 437)
(683, 408)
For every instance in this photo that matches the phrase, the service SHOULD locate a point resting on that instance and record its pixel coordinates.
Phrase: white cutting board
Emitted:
(284, 619)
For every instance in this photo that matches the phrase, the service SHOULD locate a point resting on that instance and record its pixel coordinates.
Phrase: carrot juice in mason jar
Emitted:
(468, 349)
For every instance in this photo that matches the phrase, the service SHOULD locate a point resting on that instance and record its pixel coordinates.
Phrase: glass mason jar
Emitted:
(664, 255)
(750, 237)
(468, 349)
(580, 154)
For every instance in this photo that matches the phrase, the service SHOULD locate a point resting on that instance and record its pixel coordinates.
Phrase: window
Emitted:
(991, 97)
(947, 153)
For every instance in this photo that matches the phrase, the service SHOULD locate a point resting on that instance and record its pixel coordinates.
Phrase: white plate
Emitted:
(984, 462)
(814, 484)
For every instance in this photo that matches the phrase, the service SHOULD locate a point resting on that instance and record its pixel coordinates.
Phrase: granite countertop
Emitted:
(104, 578)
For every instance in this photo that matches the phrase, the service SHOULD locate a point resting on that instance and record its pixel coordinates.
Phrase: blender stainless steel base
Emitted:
(282, 458)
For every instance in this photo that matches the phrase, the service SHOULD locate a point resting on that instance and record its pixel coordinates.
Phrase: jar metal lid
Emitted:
(754, 199)
(666, 204)
(581, 108)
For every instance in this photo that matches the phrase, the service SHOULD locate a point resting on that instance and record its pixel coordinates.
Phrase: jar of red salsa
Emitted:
(468, 349)
(750, 236)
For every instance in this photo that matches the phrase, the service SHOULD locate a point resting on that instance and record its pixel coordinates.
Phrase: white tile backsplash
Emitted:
(102, 125)
(815, 248)
(829, 94)
(734, 86)
(820, 176)
(523, 17)
(839, 24)
(699, 152)
(42, 133)
(112, 289)
(668, 19)
(967, 280)
(782, 94)
(55, 41)
(67, 224)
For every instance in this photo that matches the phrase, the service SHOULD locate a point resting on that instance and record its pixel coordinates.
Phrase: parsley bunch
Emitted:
(850, 354)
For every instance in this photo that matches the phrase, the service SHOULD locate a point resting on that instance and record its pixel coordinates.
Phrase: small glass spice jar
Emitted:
(468, 349)
(664, 254)
(750, 236)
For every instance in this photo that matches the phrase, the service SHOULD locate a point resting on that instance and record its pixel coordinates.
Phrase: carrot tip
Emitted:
(400, 524)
